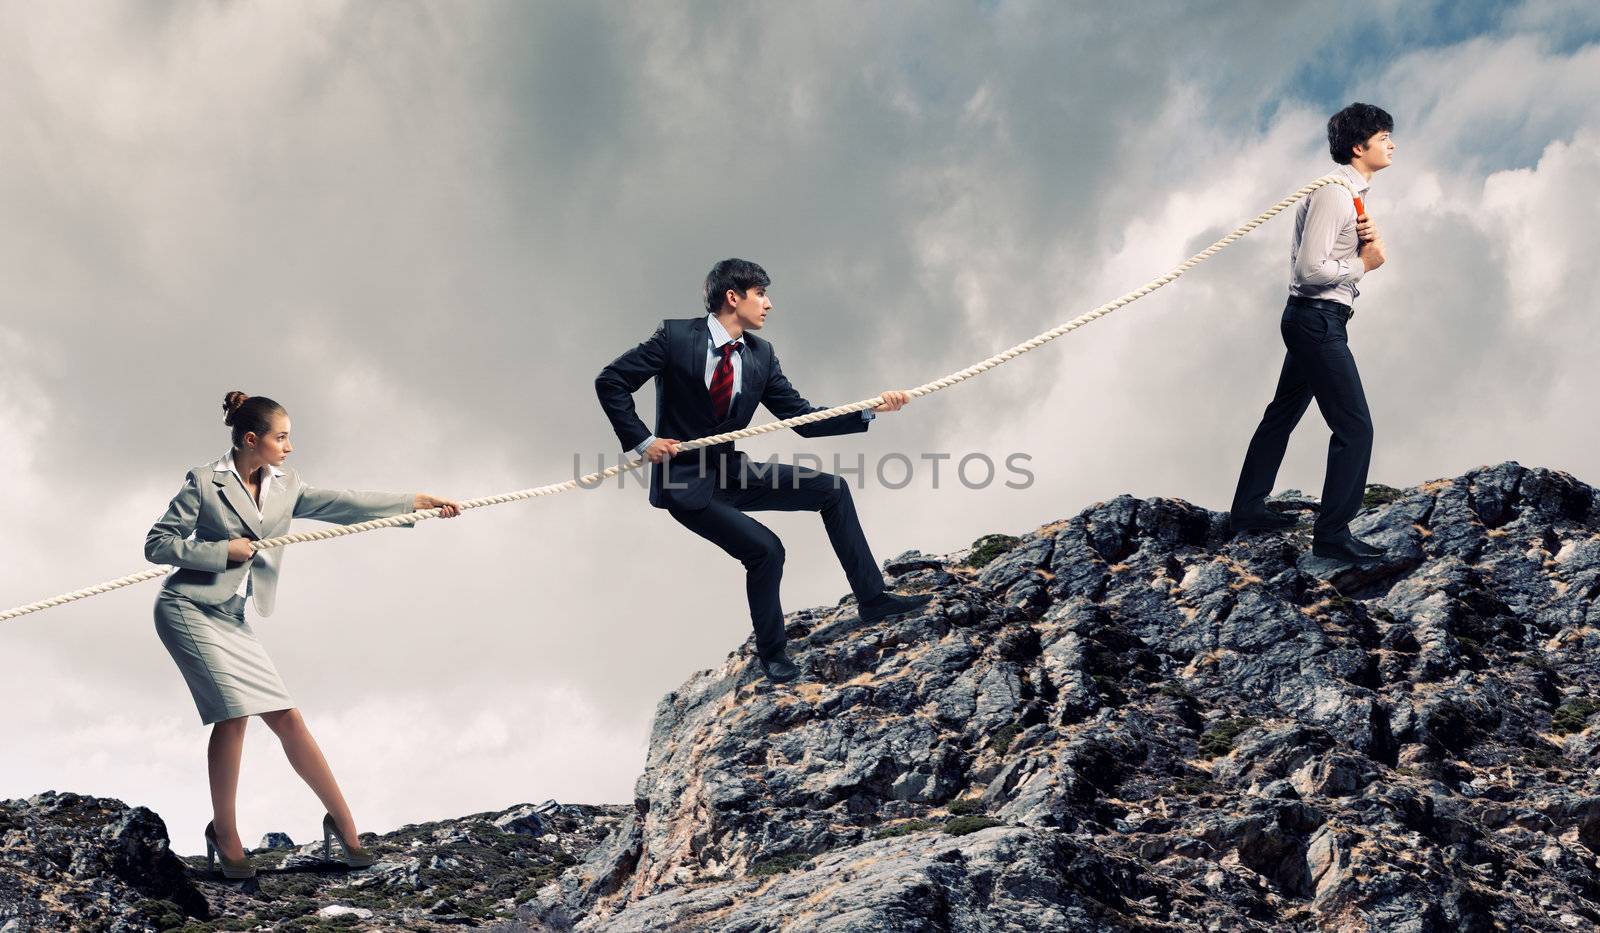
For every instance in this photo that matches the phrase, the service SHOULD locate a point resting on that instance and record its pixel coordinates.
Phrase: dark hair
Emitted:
(1353, 126)
(248, 413)
(739, 275)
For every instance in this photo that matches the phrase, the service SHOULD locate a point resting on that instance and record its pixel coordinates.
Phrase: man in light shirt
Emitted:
(1333, 248)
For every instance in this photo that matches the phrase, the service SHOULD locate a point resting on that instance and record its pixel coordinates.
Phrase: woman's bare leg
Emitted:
(303, 753)
(222, 763)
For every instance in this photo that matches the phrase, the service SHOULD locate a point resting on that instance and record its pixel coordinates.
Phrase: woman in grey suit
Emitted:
(206, 532)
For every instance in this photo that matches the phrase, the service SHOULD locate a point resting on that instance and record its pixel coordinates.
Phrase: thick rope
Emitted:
(1005, 356)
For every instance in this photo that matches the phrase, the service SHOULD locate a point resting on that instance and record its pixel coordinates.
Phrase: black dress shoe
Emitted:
(1350, 544)
(1262, 520)
(887, 605)
(1344, 548)
(778, 668)
(1368, 550)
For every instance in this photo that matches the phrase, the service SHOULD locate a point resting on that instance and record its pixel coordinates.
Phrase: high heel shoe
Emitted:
(233, 871)
(354, 856)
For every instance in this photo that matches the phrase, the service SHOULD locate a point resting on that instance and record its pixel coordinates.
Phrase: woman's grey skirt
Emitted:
(226, 668)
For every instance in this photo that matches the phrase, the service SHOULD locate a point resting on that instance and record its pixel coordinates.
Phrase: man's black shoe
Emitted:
(1365, 549)
(778, 668)
(1345, 548)
(1263, 520)
(887, 605)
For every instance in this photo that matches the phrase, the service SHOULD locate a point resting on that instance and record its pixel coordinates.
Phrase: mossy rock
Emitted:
(902, 829)
(1218, 740)
(965, 807)
(478, 908)
(1544, 757)
(1003, 737)
(163, 915)
(1379, 494)
(777, 866)
(1537, 661)
(988, 547)
(1109, 689)
(1193, 786)
(317, 925)
(1574, 715)
(962, 825)
(1177, 691)
(276, 911)
(224, 923)
(277, 887)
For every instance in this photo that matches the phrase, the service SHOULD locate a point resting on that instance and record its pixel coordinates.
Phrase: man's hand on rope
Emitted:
(1371, 250)
(893, 400)
(1366, 230)
(448, 508)
(663, 448)
(1372, 255)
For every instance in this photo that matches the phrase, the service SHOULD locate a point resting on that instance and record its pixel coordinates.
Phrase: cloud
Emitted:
(425, 229)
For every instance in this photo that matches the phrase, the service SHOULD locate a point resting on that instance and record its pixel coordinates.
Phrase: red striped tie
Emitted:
(722, 381)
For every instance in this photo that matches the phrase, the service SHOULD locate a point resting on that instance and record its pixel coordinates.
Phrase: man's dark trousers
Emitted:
(748, 486)
(1318, 365)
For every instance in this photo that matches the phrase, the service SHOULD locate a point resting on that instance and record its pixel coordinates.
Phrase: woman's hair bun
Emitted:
(249, 414)
(230, 404)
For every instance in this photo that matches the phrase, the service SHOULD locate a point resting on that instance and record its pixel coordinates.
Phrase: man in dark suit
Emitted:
(711, 372)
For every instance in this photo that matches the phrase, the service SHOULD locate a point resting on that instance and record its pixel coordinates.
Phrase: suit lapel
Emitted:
(233, 492)
(752, 377)
(695, 362)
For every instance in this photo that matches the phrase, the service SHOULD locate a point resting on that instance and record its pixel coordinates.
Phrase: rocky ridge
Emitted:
(1132, 720)
(1124, 720)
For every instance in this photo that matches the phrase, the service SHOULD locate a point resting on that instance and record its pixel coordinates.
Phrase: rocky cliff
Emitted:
(1123, 720)
(70, 862)
(1131, 720)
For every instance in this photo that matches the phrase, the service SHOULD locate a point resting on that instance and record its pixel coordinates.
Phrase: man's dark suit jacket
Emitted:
(675, 356)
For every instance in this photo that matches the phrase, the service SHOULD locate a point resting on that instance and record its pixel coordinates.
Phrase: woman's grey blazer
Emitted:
(213, 507)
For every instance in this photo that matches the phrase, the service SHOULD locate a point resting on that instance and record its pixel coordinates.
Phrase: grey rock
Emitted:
(911, 562)
(1215, 732)
(524, 819)
(72, 863)
(66, 859)
(1130, 720)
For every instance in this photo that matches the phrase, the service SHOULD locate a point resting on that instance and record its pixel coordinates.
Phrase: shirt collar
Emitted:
(226, 463)
(1357, 181)
(719, 334)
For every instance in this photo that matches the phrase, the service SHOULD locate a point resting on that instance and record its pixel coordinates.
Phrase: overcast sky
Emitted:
(425, 227)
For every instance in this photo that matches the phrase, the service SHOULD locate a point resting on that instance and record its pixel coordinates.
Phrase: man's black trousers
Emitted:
(1318, 365)
(780, 488)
